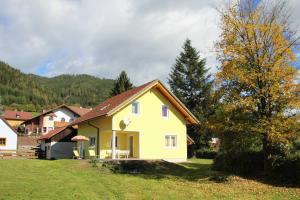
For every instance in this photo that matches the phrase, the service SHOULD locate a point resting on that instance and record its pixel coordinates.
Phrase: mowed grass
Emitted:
(77, 179)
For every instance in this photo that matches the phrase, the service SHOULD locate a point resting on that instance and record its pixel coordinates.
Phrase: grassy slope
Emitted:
(73, 179)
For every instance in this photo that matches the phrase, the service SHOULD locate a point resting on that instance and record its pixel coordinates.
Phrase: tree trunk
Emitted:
(266, 153)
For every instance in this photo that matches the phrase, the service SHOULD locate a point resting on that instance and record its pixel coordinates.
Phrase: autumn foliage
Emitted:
(256, 76)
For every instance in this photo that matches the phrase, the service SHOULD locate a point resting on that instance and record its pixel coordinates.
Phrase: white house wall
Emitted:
(59, 114)
(63, 113)
(10, 135)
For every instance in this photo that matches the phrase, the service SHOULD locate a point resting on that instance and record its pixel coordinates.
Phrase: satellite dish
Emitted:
(126, 121)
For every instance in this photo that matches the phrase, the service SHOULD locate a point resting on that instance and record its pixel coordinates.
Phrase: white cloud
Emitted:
(103, 37)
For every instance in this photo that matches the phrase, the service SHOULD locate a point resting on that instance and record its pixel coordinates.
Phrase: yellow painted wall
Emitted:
(105, 125)
(153, 127)
(148, 128)
(14, 123)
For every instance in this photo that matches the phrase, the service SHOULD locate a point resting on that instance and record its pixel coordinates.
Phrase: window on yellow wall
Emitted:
(135, 107)
(2, 141)
(171, 141)
(165, 111)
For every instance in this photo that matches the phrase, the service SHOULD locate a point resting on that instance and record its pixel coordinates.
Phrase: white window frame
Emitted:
(138, 108)
(168, 111)
(170, 141)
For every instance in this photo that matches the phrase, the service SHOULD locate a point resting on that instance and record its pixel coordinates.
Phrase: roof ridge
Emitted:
(111, 103)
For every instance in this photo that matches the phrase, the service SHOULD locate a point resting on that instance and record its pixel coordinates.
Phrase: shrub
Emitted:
(242, 163)
(286, 169)
(205, 153)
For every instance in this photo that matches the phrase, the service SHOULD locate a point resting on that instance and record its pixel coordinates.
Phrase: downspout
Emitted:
(98, 132)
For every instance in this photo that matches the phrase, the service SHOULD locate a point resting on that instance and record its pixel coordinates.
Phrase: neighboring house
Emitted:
(8, 137)
(15, 118)
(148, 121)
(51, 119)
(57, 143)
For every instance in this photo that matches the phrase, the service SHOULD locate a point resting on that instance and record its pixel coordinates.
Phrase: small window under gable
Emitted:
(165, 111)
(135, 107)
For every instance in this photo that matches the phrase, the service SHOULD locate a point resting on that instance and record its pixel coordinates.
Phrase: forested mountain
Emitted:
(33, 93)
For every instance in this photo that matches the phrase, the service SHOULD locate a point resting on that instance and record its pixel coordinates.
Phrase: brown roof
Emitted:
(16, 115)
(52, 133)
(79, 110)
(111, 105)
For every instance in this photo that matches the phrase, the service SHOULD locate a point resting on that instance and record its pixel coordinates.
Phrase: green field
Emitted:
(77, 179)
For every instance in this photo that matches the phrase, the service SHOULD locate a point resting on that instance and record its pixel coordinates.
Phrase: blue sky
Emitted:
(102, 38)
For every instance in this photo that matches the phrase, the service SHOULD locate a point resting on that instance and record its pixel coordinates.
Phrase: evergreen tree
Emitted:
(1, 107)
(122, 84)
(191, 83)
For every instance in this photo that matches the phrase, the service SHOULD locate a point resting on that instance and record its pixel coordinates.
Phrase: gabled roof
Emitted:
(52, 133)
(17, 115)
(77, 110)
(114, 104)
(2, 118)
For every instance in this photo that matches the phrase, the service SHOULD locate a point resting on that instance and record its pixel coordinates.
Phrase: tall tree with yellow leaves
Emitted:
(256, 74)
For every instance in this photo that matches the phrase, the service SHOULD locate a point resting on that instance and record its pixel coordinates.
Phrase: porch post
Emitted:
(113, 143)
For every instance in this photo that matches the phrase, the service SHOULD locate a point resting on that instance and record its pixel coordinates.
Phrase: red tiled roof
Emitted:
(79, 110)
(52, 133)
(16, 115)
(108, 105)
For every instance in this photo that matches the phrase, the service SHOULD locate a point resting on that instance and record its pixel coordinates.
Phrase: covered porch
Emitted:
(125, 145)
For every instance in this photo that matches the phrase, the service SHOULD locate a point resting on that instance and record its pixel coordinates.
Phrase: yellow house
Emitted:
(147, 122)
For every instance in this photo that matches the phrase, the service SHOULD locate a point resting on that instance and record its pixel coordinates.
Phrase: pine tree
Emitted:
(1, 107)
(122, 84)
(191, 83)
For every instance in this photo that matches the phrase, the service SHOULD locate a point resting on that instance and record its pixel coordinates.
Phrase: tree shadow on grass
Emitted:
(163, 169)
(190, 171)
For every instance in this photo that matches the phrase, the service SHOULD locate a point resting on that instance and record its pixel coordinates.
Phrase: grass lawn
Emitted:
(77, 179)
